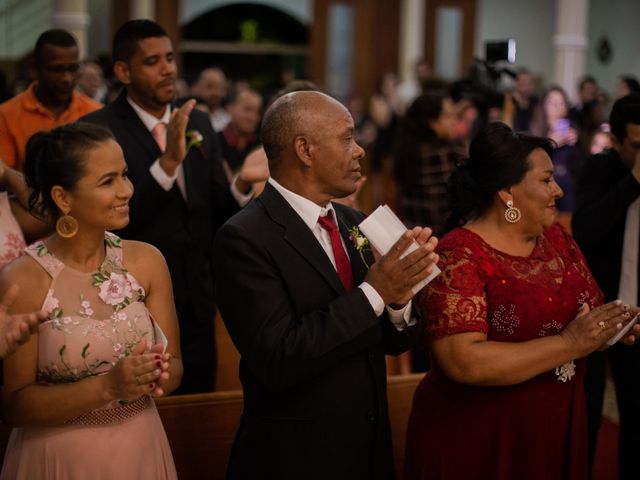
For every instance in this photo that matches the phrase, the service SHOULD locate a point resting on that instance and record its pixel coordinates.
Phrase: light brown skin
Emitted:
(470, 357)
(245, 115)
(211, 86)
(323, 163)
(150, 77)
(16, 329)
(99, 202)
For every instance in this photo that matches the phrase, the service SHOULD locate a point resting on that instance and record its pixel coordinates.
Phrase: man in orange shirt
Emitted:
(49, 101)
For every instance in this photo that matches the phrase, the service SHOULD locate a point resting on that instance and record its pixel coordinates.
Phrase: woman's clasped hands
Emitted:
(590, 329)
(140, 373)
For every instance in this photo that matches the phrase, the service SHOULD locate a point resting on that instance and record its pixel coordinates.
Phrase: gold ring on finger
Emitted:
(602, 324)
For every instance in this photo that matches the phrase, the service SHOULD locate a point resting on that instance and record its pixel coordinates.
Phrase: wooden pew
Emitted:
(400, 389)
(201, 428)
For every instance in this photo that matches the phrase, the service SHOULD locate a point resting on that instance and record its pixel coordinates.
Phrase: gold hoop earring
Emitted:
(67, 226)
(512, 214)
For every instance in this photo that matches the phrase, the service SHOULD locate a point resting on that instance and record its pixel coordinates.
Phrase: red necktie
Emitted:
(343, 266)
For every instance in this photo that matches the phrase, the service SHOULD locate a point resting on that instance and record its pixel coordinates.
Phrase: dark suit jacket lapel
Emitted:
(298, 235)
(358, 267)
(140, 134)
(132, 124)
(187, 166)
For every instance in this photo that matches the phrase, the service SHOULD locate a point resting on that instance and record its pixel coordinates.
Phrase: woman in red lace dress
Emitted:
(509, 321)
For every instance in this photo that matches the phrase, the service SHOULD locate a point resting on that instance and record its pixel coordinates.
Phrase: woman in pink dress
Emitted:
(16, 222)
(79, 392)
(509, 322)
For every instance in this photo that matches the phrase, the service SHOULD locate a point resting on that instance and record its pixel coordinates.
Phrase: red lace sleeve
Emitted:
(454, 302)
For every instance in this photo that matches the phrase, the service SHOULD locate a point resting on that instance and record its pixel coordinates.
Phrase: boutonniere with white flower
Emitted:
(194, 139)
(360, 242)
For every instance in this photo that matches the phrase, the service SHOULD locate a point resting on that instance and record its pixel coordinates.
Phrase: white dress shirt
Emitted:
(165, 180)
(309, 212)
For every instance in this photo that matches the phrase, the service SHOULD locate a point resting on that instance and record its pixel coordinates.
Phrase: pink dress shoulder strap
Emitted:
(39, 252)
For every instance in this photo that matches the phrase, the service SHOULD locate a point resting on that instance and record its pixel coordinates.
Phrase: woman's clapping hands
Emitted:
(139, 373)
(590, 329)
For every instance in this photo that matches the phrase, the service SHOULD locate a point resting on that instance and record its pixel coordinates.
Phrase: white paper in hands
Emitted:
(383, 229)
(623, 332)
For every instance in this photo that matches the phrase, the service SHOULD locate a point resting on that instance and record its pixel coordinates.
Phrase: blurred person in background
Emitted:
(524, 99)
(601, 139)
(50, 101)
(91, 81)
(606, 226)
(588, 90)
(551, 119)
(627, 84)
(414, 86)
(425, 155)
(240, 136)
(466, 123)
(590, 112)
(211, 86)
(384, 111)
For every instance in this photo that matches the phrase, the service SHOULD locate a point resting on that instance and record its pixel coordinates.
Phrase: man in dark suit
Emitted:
(181, 192)
(607, 189)
(311, 321)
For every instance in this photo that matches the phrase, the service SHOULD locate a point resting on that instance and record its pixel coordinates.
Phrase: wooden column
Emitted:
(120, 13)
(317, 63)
(376, 39)
(376, 43)
(167, 12)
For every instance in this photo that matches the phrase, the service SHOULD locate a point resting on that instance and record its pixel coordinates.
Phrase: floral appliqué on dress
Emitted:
(113, 325)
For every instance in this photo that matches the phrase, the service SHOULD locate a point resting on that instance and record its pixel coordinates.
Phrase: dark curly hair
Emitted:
(497, 160)
(58, 157)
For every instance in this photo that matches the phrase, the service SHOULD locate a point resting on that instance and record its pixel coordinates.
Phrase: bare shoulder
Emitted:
(29, 277)
(22, 270)
(143, 260)
(134, 251)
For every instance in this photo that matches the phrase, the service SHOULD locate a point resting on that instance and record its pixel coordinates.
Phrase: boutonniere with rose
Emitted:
(360, 242)
(194, 139)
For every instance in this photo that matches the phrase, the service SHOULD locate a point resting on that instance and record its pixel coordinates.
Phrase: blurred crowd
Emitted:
(413, 131)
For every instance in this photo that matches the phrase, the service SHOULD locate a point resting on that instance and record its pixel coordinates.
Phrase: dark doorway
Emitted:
(251, 42)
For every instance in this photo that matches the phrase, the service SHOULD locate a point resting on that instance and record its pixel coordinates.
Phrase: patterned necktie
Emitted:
(343, 266)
